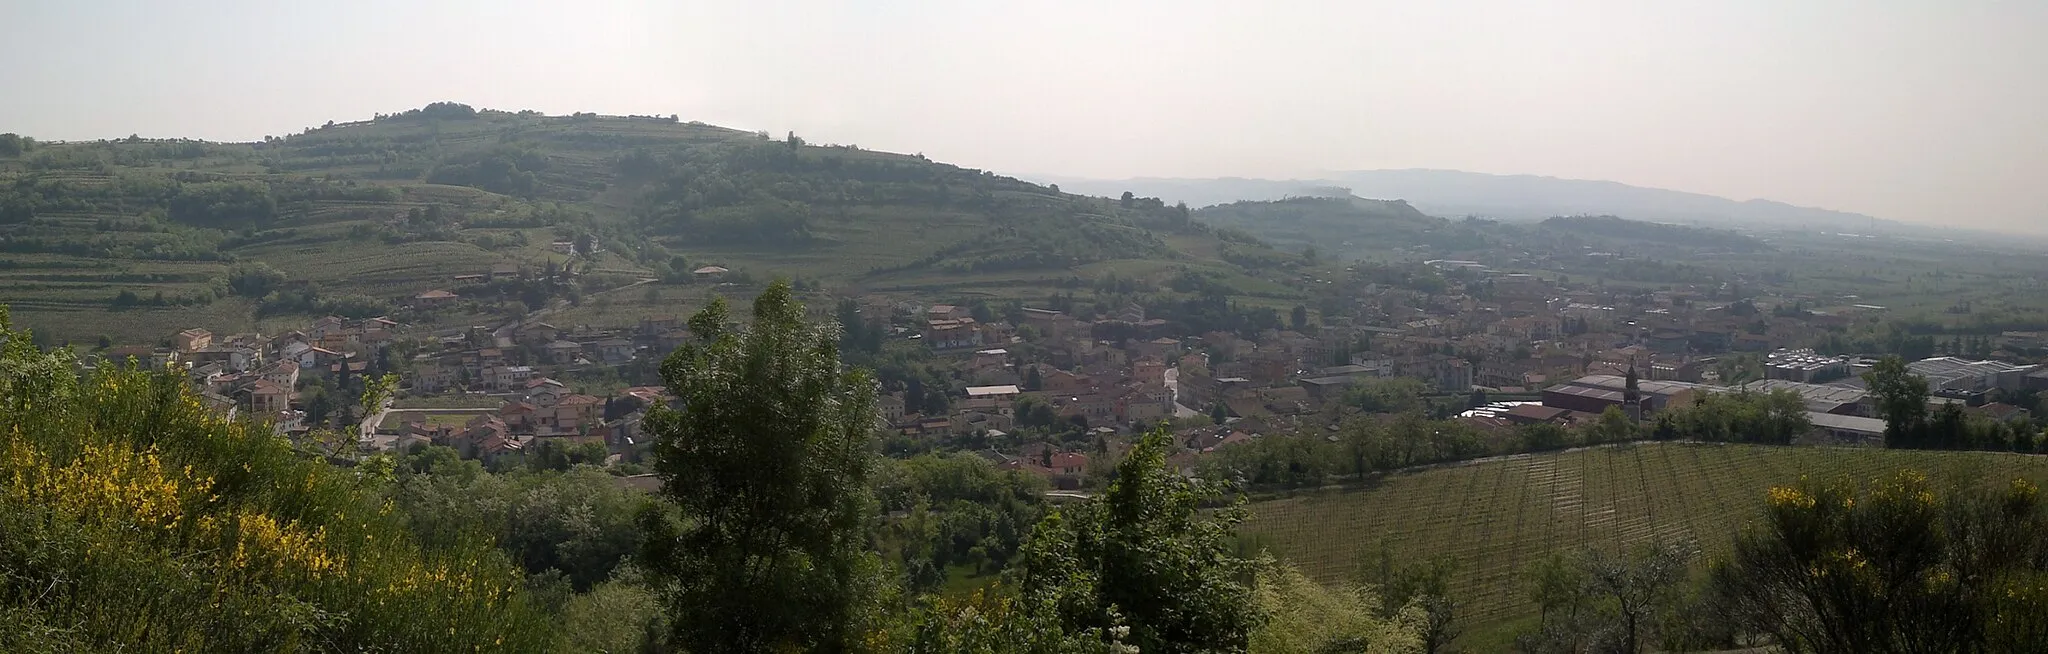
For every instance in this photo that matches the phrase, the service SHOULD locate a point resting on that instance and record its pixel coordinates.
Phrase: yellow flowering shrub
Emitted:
(139, 520)
(1781, 496)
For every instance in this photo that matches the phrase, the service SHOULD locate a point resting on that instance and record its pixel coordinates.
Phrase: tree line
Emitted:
(777, 527)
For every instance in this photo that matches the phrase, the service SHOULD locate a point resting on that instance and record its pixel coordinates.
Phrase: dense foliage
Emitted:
(576, 524)
(959, 510)
(1774, 418)
(1145, 558)
(133, 517)
(1597, 600)
(766, 456)
(1897, 565)
(1902, 400)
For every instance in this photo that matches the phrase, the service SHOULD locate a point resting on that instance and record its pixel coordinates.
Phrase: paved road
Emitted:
(1173, 388)
(564, 304)
(368, 427)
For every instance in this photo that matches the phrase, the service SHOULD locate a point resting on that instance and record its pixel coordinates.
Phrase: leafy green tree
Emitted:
(578, 526)
(991, 621)
(1775, 418)
(936, 403)
(254, 279)
(1309, 618)
(913, 394)
(1424, 586)
(1544, 436)
(1146, 557)
(12, 145)
(1297, 319)
(1612, 427)
(1603, 601)
(1396, 395)
(223, 204)
(621, 615)
(1901, 398)
(1364, 446)
(766, 457)
(1218, 413)
(1638, 587)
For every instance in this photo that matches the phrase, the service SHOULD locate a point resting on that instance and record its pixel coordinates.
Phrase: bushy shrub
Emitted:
(134, 517)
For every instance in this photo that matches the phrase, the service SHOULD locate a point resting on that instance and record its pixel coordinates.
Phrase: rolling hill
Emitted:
(1454, 193)
(1341, 225)
(128, 237)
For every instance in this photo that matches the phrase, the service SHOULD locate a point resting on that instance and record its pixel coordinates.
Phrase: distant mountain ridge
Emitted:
(1451, 193)
(1342, 225)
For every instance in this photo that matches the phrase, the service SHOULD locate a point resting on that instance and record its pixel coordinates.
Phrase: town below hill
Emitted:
(1058, 388)
(483, 309)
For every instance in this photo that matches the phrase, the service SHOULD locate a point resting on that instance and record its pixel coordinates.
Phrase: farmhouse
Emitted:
(1003, 391)
(193, 340)
(1846, 430)
(434, 298)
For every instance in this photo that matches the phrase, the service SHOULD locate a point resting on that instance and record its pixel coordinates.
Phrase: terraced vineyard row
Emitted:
(1497, 517)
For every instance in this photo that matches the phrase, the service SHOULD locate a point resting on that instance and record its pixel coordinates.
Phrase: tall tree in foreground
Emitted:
(767, 456)
(1146, 558)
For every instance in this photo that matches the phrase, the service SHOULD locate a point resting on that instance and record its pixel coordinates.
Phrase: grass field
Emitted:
(397, 419)
(1498, 517)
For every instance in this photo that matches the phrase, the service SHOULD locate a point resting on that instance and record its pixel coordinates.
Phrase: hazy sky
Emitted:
(1932, 111)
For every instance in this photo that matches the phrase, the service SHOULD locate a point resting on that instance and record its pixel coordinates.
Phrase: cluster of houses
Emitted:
(260, 375)
(1562, 351)
(544, 410)
(1842, 411)
(507, 358)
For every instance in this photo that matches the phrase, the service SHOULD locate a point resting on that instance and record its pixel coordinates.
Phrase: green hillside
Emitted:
(1622, 232)
(128, 236)
(1343, 226)
(1498, 518)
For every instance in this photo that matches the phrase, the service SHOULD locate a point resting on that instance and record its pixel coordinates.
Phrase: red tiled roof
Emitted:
(1536, 412)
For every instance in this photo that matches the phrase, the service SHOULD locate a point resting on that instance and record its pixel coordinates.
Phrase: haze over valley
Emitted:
(1452, 193)
(1111, 327)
